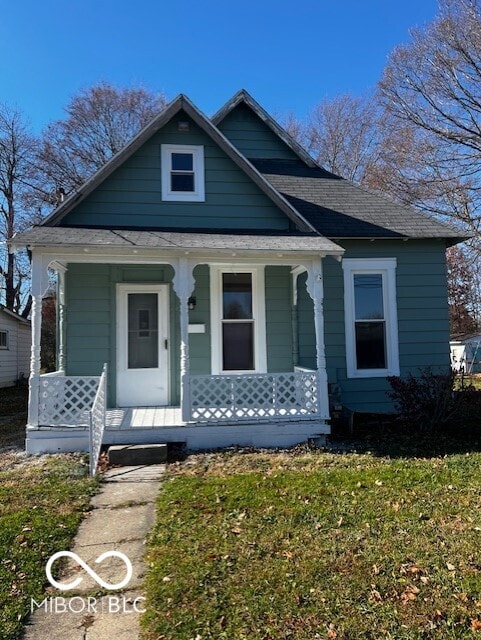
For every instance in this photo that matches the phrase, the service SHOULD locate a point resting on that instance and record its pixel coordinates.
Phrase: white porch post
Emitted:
(315, 289)
(183, 284)
(39, 285)
(61, 271)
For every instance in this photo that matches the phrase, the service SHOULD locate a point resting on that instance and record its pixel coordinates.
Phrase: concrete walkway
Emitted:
(123, 514)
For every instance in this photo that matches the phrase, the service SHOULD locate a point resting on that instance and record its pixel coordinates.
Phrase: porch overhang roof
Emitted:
(171, 242)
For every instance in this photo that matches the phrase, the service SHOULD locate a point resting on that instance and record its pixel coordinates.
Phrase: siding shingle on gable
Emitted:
(131, 195)
(252, 136)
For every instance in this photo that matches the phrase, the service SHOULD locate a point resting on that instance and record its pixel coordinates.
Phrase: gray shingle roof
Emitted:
(338, 208)
(172, 240)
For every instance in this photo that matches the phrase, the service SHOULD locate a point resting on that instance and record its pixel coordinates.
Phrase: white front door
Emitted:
(142, 345)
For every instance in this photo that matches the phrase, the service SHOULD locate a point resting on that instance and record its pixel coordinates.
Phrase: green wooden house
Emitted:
(218, 287)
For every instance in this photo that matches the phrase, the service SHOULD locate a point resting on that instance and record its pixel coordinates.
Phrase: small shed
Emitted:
(15, 341)
(466, 352)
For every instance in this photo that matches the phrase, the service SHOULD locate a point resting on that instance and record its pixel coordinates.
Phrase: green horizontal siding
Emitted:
(278, 319)
(199, 343)
(252, 136)
(423, 322)
(131, 195)
(91, 319)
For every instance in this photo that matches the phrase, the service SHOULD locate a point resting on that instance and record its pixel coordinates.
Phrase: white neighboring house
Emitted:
(15, 341)
(466, 353)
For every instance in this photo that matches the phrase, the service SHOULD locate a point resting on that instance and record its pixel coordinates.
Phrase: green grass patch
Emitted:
(306, 545)
(473, 380)
(42, 501)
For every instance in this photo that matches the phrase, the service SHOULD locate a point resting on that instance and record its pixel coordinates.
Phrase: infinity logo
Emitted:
(92, 574)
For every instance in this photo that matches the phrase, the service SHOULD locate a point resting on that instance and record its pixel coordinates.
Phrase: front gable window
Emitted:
(182, 173)
(371, 317)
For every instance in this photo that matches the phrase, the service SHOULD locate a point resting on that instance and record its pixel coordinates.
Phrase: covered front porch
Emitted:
(202, 299)
(245, 410)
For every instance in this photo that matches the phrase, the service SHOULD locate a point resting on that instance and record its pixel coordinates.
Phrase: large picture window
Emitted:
(238, 320)
(371, 317)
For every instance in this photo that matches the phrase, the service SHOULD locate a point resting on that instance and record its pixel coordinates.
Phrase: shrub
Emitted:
(429, 402)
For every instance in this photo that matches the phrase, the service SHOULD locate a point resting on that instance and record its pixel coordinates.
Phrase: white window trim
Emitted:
(258, 313)
(5, 331)
(199, 174)
(387, 268)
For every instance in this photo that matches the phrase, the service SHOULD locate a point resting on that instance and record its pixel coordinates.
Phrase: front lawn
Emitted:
(305, 545)
(13, 400)
(42, 500)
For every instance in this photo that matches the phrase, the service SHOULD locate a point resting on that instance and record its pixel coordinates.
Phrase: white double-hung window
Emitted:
(370, 307)
(238, 320)
(183, 177)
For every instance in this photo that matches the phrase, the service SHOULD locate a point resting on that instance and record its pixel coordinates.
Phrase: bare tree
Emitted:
(433, 86)
(463, 290)
(100, 121)
(342, 135)
(18, 177)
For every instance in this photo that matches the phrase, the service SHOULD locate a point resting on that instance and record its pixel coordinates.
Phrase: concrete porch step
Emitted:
(127, 455)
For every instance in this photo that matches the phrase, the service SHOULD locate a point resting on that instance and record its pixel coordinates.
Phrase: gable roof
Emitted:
(315, 200)
(180, 103)
(338, 208)
(12, 314)
(243, 97)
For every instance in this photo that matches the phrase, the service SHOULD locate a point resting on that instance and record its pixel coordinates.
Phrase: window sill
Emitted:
(373, 373)
(182, 197)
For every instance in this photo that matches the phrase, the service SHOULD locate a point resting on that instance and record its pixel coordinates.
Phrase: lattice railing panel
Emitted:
(97, 421)
(270, 396)
(66, 400)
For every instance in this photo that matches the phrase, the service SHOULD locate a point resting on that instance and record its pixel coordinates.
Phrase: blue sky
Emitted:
(288, 55)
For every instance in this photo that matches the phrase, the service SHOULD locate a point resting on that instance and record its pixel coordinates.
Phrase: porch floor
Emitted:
(159, 425)
(143, 418)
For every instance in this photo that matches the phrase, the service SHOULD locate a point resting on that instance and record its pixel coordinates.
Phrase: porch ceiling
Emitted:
(171, 241)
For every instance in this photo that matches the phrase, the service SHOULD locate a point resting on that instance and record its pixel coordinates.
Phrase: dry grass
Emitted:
(13, 400)
(42, 500)
(311, 544)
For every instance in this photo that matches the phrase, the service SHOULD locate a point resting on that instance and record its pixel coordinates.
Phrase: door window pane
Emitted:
(238, 346)
(237, 296)
(368, 297)
(371, 345)
(143, 331)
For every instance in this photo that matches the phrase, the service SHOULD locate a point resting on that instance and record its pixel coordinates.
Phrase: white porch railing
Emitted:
(246, 397)
(97, 421)
(65, 401)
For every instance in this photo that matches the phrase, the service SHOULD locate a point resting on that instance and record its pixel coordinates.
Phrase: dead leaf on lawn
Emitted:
(475, 624)
(409, 594)
(331, 632)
